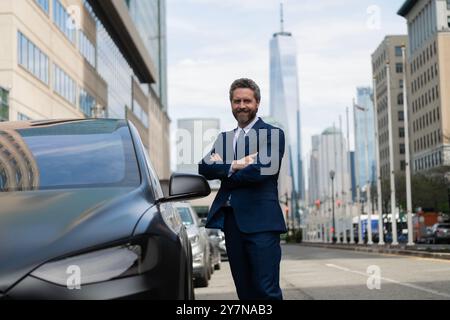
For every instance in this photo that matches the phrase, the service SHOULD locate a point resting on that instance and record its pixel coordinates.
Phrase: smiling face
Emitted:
(244, 106)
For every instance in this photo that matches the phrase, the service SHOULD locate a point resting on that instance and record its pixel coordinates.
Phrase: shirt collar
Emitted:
(249, 126)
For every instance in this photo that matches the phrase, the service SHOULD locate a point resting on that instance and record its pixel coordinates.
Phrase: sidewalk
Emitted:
(423, 251)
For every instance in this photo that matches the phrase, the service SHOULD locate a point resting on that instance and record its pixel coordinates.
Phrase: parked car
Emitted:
(427, 236)
(218, 237)
(401, 237)
(440, 233)
(215, 238)
(201, 257)
(82, 208)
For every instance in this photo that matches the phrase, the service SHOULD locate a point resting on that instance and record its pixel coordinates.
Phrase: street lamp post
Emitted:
(333, 234)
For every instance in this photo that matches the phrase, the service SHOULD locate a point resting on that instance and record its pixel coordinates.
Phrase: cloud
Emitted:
(213, 42)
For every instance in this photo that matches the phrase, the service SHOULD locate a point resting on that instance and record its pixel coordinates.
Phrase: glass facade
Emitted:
(64, 85)
(87, 48)
(87, 103)
(365, 119)
(4, 104)
(284, 100)
(43, 4)
(63, 21)
(32, 58)
(22, 117)
(117, 73)
(149, 19)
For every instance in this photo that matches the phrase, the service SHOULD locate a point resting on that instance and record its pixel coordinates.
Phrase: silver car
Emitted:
(441, 233)
(201, 258)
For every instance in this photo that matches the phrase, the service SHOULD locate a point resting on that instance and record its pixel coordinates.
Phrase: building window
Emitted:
(398, 51)
(63, 20)
(402, 148)
(401, 116)
(448, 4)
(64, 85)
(22, 117)
(400, 84)
(4, 105)
(87, 103)
(399, 67)
(401, 132)
(43, 4)
(403, 165)
(32, 58)
(87, 48)
(400, 99)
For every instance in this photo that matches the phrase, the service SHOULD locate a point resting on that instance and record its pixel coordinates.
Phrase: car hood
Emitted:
(38, 226)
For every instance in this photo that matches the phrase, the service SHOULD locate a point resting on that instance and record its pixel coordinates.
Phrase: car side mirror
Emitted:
(183, 186)
(202, 222)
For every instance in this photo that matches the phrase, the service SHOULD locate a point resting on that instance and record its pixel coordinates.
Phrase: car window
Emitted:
(85, 154)
(185, 216)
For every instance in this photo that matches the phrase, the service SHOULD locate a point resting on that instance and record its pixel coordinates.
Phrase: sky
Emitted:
(213, 42)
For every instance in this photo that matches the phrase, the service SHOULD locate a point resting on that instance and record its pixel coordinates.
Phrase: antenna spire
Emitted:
(281, 17)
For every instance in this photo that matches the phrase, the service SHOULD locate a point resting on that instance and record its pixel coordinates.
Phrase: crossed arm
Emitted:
(247, 171)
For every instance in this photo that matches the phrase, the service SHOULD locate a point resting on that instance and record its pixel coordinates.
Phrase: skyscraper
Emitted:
(389, 50)
(284, 99)
(428, 84)
(364, 114)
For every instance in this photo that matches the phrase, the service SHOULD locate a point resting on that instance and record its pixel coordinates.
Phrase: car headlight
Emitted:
(99, 266)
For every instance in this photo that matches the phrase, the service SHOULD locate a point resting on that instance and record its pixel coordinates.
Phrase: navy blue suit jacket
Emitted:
(253, 190)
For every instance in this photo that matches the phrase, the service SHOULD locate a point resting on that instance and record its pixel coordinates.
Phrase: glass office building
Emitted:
(284, 100)
(365, 121)
(149, 19)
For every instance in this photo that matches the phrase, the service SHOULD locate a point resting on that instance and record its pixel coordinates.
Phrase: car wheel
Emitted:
(208, 272)
(189, 293)
(203, 281)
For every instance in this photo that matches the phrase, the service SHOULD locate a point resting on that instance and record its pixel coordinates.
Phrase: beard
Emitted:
(244, 116)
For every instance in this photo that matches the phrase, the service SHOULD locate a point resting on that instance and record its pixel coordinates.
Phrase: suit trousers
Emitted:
(254, 260)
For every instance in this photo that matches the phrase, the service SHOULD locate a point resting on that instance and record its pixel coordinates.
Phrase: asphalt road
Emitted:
(309, 273)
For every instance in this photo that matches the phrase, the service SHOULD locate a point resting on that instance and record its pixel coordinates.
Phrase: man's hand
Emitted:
(215, 157)
(237, 165)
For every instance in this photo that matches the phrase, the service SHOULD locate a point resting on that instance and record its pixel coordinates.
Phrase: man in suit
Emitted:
(247, 160)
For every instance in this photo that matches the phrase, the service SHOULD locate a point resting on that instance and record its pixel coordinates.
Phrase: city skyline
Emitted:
(223, 47)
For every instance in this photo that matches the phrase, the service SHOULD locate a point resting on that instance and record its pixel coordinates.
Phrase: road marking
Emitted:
(413, 286)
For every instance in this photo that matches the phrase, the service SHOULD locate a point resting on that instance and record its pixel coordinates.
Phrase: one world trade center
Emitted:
(284, 99)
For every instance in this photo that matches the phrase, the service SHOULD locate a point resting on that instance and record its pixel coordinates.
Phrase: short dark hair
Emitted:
(245, 83)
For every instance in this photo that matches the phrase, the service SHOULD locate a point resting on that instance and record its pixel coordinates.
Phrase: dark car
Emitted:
(82, 215)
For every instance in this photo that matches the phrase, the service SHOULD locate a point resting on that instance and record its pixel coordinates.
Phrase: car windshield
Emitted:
(186, 216)
(81, 154)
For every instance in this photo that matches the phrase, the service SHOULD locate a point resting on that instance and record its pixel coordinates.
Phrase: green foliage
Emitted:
(429, 190)
(293, 236)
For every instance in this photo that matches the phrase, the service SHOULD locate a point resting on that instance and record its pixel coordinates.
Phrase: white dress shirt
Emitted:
(236, 135)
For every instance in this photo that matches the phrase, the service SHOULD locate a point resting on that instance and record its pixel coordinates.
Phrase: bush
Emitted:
(294, 236)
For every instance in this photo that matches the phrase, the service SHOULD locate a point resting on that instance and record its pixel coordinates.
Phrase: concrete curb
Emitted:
(398, 250)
